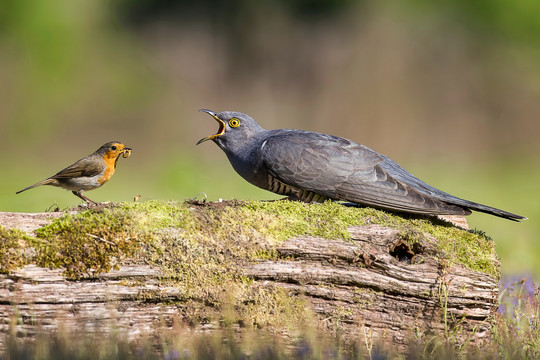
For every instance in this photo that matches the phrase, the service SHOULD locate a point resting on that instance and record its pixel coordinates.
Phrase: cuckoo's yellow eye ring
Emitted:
(234, 122)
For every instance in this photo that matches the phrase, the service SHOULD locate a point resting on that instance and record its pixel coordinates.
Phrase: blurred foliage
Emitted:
(510, 20)
(513, 21)
(226, 11)
(63, 53)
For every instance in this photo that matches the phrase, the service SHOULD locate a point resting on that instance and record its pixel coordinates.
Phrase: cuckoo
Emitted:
(313, 167)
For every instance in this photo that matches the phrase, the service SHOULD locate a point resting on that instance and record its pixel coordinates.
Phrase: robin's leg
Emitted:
(79, 193)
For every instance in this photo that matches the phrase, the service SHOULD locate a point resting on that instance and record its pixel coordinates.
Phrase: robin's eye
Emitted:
(113, 147)
(234, 122)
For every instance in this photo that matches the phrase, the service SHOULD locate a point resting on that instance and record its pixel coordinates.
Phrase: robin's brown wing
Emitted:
(86, 167)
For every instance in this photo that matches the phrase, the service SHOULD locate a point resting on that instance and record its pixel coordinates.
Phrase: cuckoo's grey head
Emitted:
(234, 128)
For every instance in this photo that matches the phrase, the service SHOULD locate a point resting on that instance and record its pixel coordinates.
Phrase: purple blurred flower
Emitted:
(514, 291)
(172, 355)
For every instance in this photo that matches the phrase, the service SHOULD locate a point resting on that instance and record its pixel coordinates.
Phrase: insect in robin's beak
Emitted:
(126, 152)
(221, 129)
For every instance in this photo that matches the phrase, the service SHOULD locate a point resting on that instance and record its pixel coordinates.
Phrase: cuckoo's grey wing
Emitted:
(341, 169)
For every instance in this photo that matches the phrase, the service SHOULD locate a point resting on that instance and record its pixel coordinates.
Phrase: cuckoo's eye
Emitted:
(234, 122)
(113, 148)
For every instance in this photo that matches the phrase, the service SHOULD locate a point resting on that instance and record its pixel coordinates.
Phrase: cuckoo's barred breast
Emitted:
(280, 188)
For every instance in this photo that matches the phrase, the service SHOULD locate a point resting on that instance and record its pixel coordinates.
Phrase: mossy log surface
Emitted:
(138, 268)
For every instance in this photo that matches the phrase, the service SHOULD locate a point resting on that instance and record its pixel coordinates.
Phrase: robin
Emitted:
(88, 173)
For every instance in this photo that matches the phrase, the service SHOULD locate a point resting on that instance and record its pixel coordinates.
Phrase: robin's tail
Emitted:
(44, 182)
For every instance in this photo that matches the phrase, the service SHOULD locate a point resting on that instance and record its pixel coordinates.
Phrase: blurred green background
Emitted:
(448, 89)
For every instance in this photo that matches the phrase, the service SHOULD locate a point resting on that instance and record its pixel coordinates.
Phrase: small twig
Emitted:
(101, 239)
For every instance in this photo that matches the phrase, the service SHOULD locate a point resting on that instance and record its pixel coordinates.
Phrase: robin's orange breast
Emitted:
(109, 170)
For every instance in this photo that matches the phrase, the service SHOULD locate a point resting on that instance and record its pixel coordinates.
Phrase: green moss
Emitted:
(193, 242)
(88, 243)
(155, 215)
(15, 250)
(286, 219)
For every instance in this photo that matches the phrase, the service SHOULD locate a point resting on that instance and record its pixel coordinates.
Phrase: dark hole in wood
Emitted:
(402, 252)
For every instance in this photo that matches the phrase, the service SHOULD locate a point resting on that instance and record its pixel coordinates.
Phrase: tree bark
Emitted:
(374, 279)
(373, 286)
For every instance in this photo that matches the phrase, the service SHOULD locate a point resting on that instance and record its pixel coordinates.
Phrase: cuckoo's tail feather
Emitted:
(494, 211)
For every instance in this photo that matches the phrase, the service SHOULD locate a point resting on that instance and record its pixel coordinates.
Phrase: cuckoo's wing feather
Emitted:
(341, 169)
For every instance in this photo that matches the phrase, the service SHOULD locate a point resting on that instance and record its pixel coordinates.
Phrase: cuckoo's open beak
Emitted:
(221, 129)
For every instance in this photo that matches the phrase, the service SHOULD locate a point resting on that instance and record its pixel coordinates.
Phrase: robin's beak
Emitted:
(126, 152)
(221, 129)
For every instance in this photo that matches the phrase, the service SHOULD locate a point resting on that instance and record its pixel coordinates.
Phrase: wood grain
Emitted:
(373, 284)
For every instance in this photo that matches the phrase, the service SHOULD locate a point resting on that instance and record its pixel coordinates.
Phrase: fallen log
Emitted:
(355, 272)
